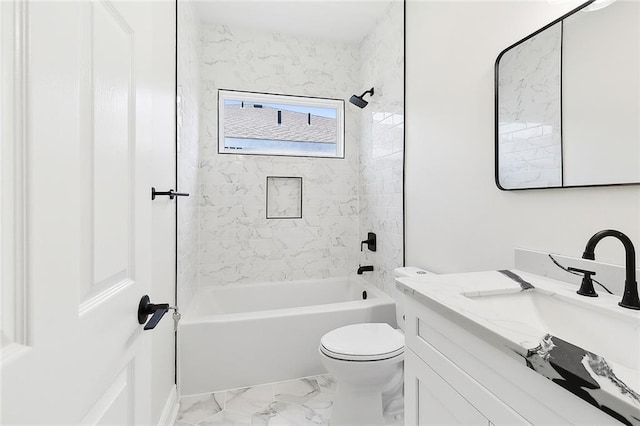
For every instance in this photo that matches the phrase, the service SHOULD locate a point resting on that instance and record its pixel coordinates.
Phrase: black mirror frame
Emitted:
(496, 77)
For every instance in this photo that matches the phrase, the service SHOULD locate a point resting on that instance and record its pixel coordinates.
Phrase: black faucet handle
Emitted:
(370, 242)
(586, 288)
(582, 271)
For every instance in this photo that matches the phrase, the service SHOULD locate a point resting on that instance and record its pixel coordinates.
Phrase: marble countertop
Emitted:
(584, 358)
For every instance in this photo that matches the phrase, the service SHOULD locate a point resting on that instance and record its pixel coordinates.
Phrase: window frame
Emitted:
(310, 101)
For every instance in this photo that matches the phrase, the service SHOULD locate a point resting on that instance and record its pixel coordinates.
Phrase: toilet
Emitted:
(367, 362)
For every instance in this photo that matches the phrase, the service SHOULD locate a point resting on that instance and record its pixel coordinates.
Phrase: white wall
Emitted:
(237, 242)
(381, 145)
(456, 218)
(188, 149)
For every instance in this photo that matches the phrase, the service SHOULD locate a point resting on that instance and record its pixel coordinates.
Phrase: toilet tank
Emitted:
(399, 296)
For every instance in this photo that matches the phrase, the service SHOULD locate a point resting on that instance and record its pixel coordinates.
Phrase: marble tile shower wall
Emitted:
(382, 146)
(237, 243)
(188, 150)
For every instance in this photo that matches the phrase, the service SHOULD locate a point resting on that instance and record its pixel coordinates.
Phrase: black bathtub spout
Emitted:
(362, 269)
(630, 298)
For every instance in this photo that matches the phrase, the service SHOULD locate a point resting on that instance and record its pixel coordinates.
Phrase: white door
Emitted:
(77, 123)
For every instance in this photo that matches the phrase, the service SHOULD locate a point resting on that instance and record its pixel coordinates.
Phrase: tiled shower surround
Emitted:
(188, 151)
(237, 241)
(343, 199)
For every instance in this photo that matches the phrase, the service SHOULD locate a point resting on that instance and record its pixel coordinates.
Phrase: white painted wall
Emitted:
(456, 218)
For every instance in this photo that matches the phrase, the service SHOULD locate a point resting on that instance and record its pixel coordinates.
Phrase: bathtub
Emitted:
(244, 335)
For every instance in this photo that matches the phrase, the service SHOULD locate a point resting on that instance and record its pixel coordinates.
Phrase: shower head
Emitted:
(358, 101)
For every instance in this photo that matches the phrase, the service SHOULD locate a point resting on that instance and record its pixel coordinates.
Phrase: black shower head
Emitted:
(358, 101)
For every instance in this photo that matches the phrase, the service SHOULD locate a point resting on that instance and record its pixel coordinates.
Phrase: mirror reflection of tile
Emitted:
(284, 197)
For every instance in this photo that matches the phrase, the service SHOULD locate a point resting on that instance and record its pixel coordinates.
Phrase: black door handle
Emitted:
(171, 193)
(146, 308)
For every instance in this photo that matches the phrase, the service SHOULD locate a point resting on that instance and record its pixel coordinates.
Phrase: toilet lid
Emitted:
(363, 342)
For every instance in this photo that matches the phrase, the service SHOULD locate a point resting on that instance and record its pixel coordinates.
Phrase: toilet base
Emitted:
(360, 387)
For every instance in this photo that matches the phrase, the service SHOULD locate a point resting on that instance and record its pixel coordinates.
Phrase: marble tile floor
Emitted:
(300, 402)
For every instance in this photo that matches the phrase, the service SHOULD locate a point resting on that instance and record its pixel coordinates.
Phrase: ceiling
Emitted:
(337, 20)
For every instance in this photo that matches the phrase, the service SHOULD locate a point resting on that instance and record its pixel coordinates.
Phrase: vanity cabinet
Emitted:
(444, 394)
(454, 377)
(435, 401)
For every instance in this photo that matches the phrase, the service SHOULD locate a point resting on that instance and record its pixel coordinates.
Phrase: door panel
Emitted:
(13, 294)
(114, 406)
(89, 129)
(108, 97)
(113, 145)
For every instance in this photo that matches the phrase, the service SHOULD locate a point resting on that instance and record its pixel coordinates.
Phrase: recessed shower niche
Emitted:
(284, 197)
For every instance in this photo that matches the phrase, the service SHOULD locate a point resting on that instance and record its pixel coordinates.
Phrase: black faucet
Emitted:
(630, 296)
(362, 269)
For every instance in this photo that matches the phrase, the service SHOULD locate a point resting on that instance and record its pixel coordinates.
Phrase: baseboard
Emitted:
(170, 410)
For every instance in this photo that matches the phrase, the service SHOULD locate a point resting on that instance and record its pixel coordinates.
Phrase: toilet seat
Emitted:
(363, 342)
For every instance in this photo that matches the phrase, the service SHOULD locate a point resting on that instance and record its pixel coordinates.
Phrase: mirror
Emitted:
(568, 102)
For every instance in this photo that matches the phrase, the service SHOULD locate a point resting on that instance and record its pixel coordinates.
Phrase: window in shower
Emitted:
(268, 124)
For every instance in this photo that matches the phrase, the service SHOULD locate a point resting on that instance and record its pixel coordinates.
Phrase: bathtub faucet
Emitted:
(362, 269)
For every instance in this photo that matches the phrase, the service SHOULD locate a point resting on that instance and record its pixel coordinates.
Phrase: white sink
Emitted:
(609, 333)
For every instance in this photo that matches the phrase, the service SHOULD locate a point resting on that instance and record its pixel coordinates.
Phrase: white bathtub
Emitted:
(244, 335)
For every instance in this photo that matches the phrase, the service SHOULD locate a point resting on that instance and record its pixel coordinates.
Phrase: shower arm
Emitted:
(370, 92)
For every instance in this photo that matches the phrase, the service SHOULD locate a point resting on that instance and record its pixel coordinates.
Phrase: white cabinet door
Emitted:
(460, 393)
(432, 401)
(82, 126)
